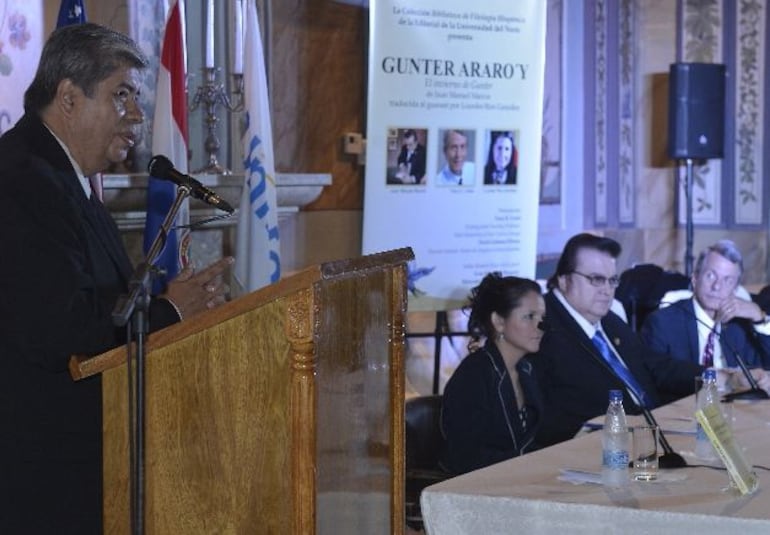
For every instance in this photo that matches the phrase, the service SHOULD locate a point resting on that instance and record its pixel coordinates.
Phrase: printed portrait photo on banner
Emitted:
(406, 156)
(456, 155)
(502, 158)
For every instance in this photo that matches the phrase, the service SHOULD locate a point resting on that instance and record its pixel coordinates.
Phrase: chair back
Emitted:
(424, 439)
(424, 442)
(642, 287)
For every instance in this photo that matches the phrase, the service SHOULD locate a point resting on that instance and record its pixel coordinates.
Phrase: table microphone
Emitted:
(670, 458)
(755, 392)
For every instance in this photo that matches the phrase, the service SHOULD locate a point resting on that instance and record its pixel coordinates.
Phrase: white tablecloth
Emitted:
(525, 495)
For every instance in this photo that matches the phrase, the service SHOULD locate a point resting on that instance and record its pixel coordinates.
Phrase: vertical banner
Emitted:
(455, 110)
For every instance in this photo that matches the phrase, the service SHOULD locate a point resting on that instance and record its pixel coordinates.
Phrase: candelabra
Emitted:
(210, 95)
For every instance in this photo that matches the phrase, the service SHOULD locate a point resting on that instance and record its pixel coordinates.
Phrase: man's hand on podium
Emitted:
(192, 293)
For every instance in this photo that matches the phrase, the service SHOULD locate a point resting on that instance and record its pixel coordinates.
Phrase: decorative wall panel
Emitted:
(600, 114)
(626, 110)
(750, 16)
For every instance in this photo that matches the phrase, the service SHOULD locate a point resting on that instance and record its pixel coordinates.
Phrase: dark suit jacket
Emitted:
(510, 179)
(674, 330)
(417, 161)
(576, 380)
(479, 416)
(63, 267)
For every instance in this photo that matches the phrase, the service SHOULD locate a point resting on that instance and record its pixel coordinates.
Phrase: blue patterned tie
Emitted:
(619, 368)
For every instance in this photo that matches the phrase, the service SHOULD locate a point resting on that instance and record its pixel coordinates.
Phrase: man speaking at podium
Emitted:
(63, 268)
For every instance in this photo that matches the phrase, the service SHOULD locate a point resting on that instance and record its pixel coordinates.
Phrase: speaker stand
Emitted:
(688, 185)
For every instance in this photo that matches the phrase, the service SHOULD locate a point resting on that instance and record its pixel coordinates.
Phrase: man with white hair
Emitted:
(716, 323)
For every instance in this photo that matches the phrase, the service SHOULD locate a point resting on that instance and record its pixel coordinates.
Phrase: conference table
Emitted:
(555, 490)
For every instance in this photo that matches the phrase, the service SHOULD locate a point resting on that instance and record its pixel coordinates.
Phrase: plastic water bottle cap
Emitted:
(616, 395)
(709, 374)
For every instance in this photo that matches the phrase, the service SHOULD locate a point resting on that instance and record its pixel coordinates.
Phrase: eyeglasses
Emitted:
(600, 280)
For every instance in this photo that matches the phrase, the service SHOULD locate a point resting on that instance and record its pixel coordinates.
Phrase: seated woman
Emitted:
(491, 404)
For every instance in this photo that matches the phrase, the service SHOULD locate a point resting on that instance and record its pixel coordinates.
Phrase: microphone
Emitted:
(669, 458)
(754, 392)
(162, 168)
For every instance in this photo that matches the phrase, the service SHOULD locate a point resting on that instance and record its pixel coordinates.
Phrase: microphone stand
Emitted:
(670, 458)
(133, 309)
(688, 186)
(752, 393)
(755, 392)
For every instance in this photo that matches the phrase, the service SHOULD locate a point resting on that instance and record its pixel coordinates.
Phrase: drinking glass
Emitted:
(645, 452)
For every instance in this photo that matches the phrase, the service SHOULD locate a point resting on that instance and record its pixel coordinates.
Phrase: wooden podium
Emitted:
(279, 412)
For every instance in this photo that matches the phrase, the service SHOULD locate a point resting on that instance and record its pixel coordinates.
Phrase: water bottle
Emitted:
(615, 441)
(708, 394)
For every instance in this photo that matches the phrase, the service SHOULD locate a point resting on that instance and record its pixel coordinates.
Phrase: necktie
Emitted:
(708, 351)
(619, 368)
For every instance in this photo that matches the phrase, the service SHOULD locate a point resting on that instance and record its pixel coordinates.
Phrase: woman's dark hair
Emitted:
(568, 260)
(495, 293)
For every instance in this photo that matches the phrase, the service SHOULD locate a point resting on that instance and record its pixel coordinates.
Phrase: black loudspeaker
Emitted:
(696, 110)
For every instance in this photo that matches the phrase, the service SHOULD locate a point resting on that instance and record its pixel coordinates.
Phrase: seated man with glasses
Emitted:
(588, 350)
(715, 323)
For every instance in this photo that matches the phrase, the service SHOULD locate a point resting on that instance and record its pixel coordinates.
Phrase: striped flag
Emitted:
(257, 253)
(71, 12)
(169, 137)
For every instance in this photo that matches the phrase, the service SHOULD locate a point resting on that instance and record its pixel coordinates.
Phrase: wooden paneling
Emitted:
(318, 75)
